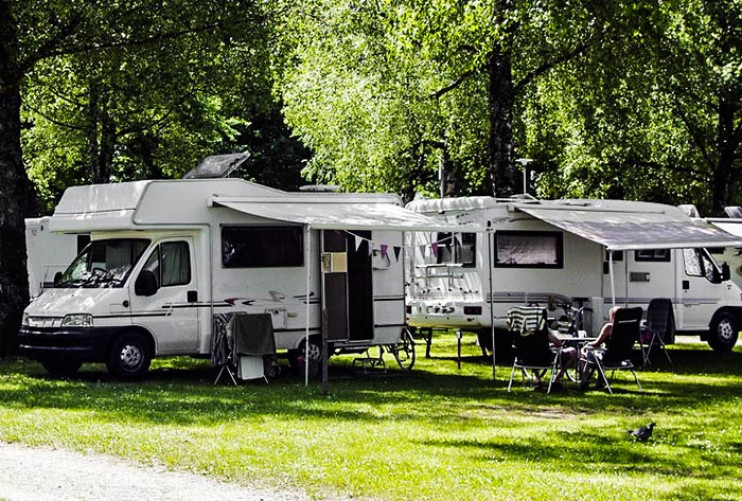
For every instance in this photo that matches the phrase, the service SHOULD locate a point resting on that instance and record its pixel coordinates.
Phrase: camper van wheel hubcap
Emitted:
(725, 330)
(314, 352)
(131, 356)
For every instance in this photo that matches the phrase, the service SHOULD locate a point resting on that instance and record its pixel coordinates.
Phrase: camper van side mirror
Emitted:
(57, 278)
(725, 273)
(146, 284)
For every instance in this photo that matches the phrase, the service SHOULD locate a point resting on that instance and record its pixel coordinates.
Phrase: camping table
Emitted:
(577, 342)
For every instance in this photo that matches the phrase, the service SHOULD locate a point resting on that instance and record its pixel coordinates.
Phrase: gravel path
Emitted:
(41, 474)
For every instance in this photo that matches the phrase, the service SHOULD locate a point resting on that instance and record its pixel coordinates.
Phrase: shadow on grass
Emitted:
(586, 453)
(187, 395)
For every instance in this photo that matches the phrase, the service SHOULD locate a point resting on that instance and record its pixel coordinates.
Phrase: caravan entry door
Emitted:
(348, 295)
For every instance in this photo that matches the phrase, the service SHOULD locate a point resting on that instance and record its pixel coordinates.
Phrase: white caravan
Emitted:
(48, 253)
(166, 256)
(550, 252)
(730, 255)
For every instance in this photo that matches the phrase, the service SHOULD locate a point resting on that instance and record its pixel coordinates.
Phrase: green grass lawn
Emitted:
(434, 433)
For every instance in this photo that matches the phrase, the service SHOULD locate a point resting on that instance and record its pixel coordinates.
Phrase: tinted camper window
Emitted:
(262, 246)
(656, 255)
(528, 249)
(457, 248)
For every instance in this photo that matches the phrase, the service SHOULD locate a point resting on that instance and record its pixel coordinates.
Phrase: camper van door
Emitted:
(699, 286)
(169, 310)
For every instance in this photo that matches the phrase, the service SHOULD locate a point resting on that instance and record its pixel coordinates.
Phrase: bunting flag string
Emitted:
(427, 250)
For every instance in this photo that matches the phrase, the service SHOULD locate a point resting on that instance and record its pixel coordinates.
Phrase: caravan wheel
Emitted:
(724, 332)
(297, 358)
(404, 350)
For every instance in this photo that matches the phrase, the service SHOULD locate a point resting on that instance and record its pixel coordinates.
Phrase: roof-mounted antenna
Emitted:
(524, 163)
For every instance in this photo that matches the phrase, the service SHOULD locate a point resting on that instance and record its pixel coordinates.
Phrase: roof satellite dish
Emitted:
(218, 166)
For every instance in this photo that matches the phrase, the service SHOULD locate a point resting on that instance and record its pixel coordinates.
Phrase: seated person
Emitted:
(568, 359)
(591, 350)
(532, 323)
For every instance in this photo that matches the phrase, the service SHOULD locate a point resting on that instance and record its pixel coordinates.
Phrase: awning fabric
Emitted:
(733, 227)
(341, 215)
(626, 230)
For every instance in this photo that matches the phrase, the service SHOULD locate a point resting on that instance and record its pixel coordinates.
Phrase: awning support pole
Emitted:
(308, 262)
(492, 304)
(613, 282)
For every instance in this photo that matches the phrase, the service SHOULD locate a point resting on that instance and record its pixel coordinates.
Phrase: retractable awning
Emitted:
(632, 230)
(729, 225)
(382, 216)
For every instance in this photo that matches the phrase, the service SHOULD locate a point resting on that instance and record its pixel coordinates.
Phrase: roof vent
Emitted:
(734, 211)
(320, 188)
(689, 210)
(217, 166)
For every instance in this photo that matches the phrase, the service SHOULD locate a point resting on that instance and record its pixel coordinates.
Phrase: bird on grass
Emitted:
(642, 433)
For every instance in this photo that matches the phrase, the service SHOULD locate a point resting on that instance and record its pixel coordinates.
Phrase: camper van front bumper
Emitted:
(83, 344)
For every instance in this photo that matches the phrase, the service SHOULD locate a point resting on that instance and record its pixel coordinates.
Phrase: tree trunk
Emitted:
(501, 101)
(92, 131)
(728, 145)
(107, 148)
(101, 136)
(17, 198)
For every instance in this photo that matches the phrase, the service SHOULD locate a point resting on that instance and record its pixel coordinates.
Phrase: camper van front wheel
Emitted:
(724, 332)
(130, 356)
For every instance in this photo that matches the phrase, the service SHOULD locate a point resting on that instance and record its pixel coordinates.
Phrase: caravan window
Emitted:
(617, 256)
(652, 255)
(528, 249)
(171, 264)
(457, 248)
(262, 246)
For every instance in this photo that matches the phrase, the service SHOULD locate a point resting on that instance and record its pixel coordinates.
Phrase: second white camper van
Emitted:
(166, 256)
(589, 253)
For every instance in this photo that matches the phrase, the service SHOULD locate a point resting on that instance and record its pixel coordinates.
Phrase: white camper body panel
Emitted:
(456, 296)
(188, 213)
(48, 253)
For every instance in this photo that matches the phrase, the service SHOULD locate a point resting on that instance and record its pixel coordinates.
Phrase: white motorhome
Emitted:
(48, 253)
(166, 256)
(590, 253)
(731, 255)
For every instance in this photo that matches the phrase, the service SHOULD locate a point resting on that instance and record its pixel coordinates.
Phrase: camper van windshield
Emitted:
(103, 263)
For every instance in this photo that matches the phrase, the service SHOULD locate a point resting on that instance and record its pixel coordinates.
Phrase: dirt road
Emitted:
(41, 474)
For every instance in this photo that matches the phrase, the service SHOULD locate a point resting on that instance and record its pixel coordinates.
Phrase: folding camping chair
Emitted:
(659, 324)
(531, 344)
(249, 339)
(618, 348)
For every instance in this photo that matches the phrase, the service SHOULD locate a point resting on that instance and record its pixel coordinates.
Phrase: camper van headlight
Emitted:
(78, 320)
(25, 319)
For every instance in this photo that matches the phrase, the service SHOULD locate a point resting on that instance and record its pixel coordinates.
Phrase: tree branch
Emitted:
(55, 47)
(453, 85)
(54, 121)
(695, 134)
(693, 173)
(549, 65)
(53, 43)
